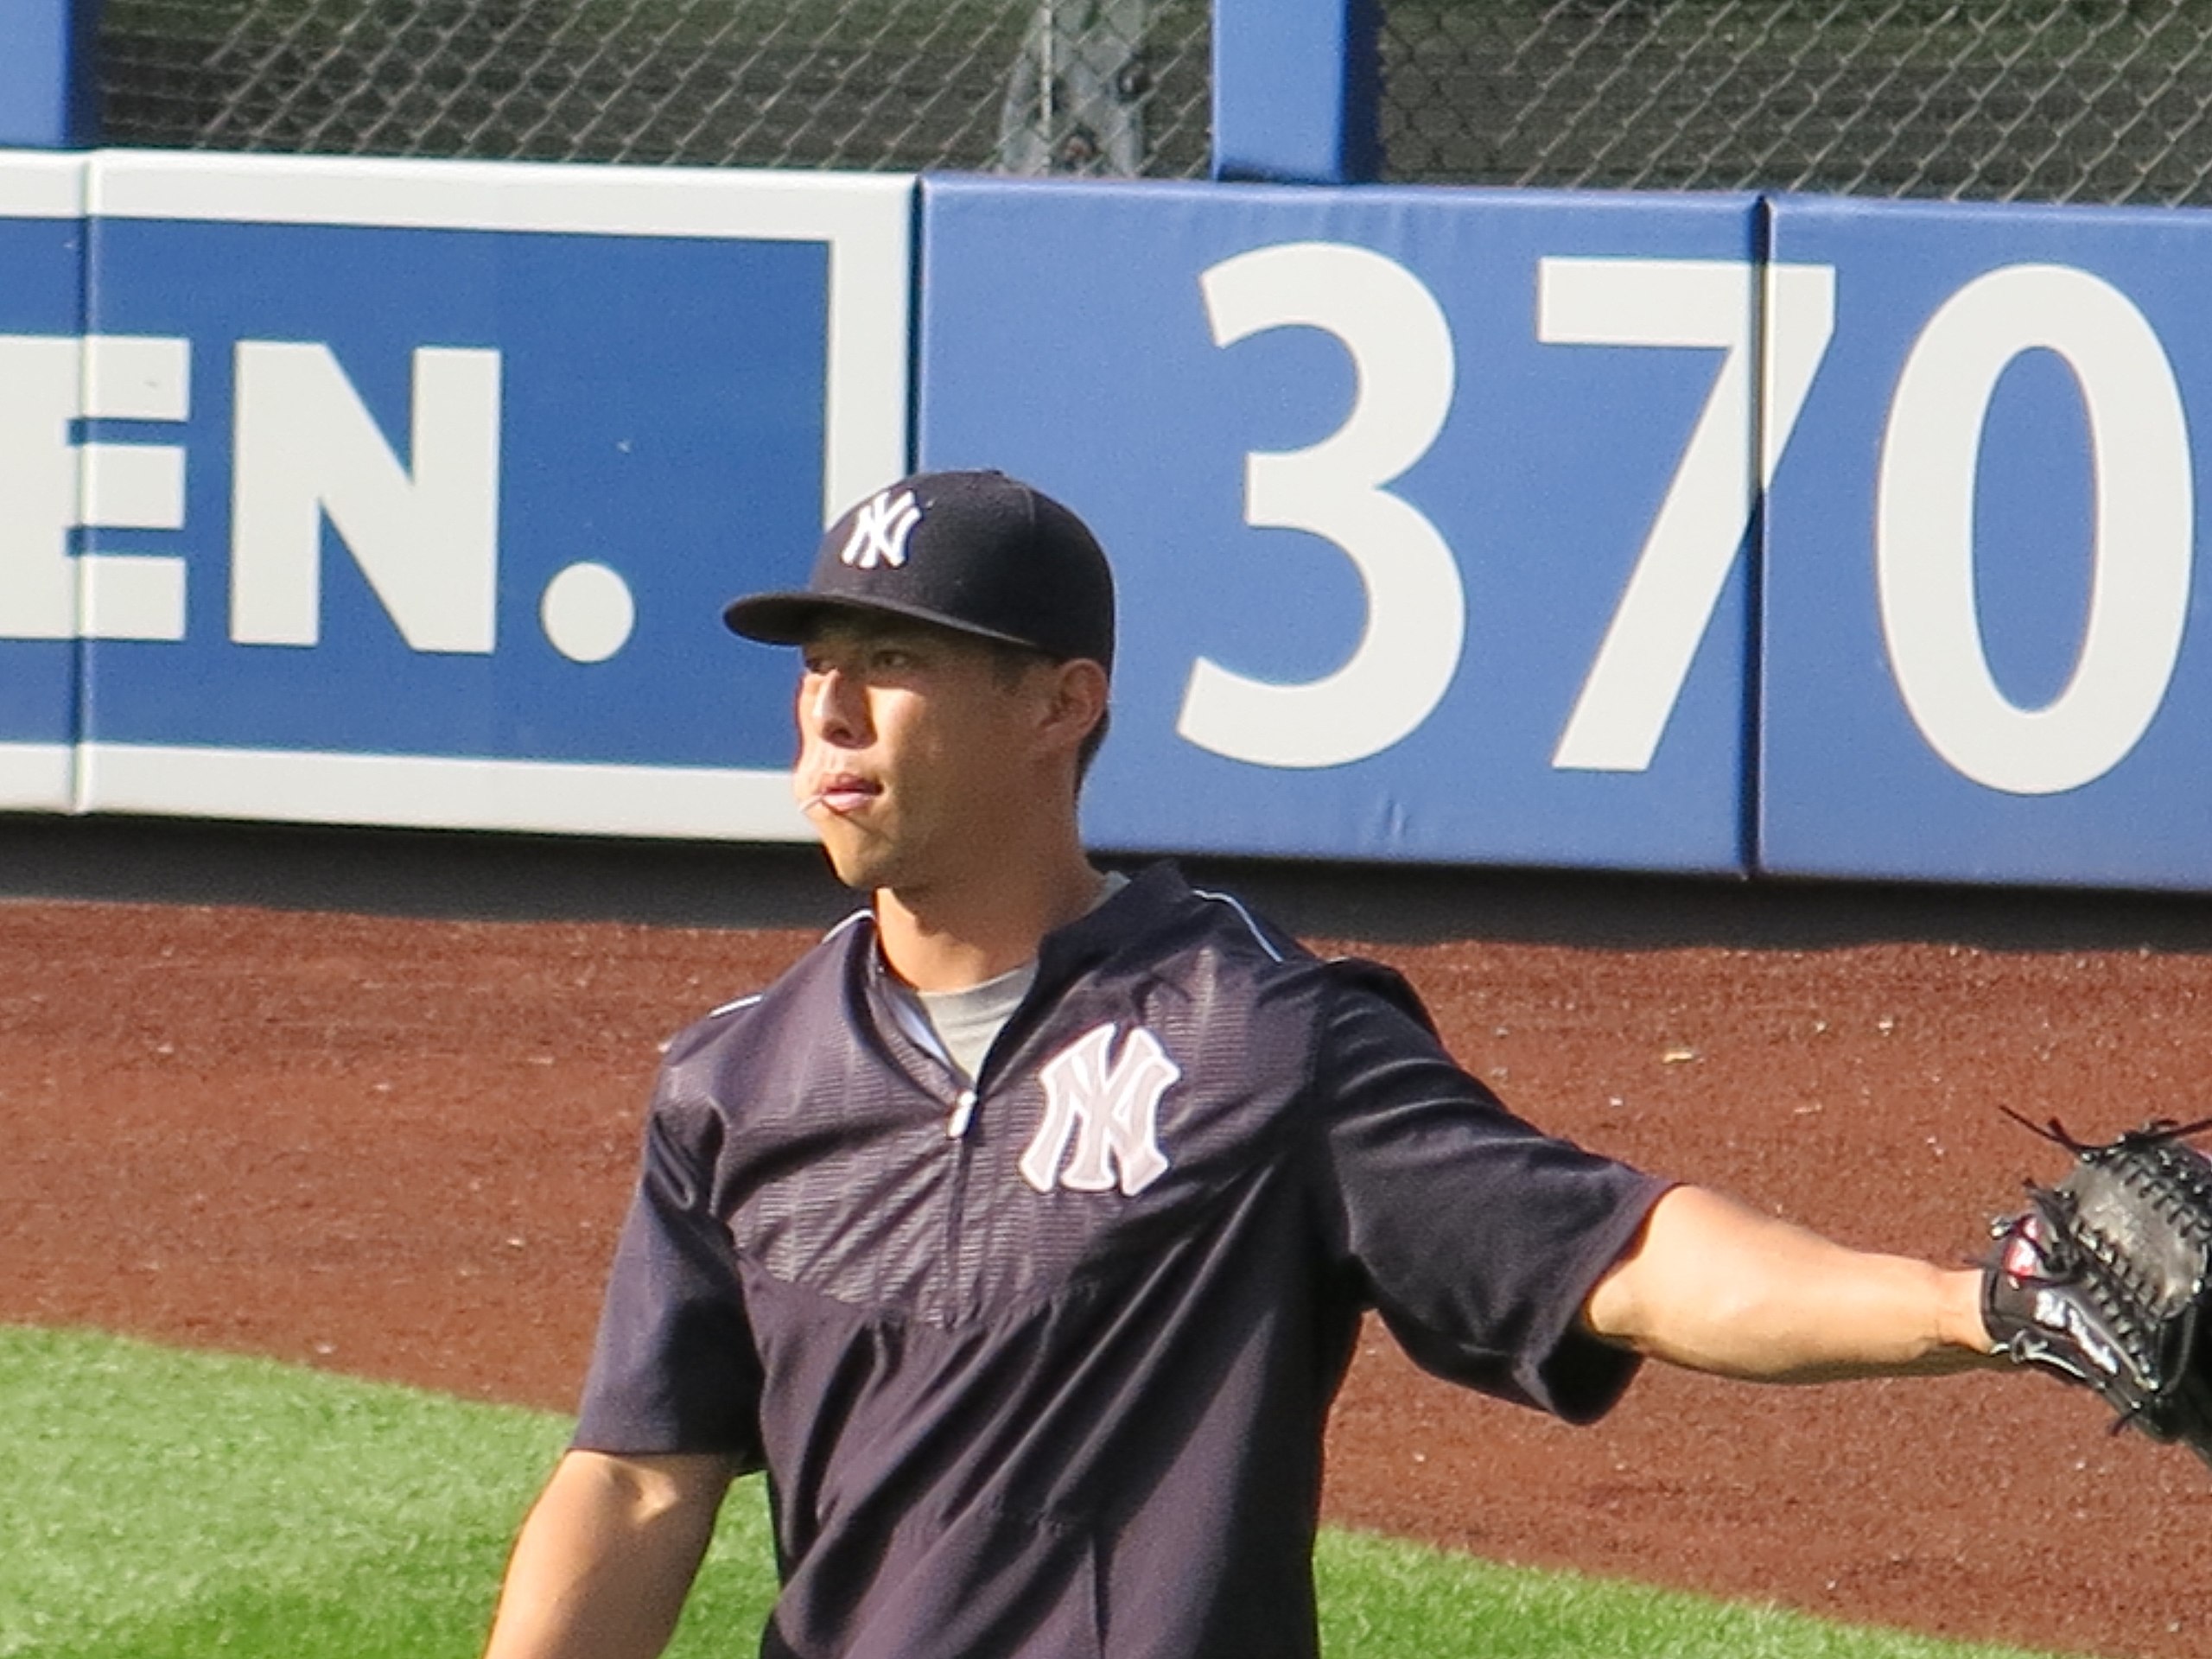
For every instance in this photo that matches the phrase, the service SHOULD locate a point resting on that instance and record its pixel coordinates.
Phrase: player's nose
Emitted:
(833, 706)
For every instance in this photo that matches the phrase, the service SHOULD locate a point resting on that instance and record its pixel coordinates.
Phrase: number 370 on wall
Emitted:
(1774, 323)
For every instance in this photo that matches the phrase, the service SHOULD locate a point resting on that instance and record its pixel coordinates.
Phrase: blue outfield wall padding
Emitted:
(1297, 90)
(1428, 506)
(41, 318)
(49, 91)
(1455, 526)
(397, 508)
(1985, 655)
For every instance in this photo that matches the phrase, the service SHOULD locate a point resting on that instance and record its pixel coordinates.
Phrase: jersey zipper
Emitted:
(959, 1120)
(955, 1209)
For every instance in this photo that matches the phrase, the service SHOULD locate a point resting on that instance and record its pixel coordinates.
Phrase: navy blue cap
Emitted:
(980, 553)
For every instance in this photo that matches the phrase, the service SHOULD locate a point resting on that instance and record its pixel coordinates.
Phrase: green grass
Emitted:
(1383, 1598)
(165, 1505)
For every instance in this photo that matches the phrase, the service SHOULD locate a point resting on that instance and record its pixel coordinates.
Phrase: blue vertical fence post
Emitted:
(1296, 87)
(47, 88)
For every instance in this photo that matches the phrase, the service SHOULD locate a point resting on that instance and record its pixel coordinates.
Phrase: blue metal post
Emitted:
(1296, 88)
(48, 89)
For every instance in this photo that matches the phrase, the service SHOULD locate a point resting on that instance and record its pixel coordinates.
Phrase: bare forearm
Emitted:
(603, 1563)
(1716, 1287)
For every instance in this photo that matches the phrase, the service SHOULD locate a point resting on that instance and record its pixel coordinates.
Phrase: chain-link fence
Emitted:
(2061, 100)
(2048, 100)
(1105, 86)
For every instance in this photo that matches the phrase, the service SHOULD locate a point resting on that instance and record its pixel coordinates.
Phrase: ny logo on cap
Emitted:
(879, 532)
(1108, 1105)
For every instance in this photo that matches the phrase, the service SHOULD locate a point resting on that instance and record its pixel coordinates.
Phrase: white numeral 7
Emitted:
(1638, 674)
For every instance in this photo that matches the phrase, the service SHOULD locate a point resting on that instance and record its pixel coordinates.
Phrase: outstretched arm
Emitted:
(1715, 1285)
(604, 1561)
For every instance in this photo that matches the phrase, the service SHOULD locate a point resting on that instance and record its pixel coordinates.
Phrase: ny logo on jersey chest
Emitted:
(1108, 1105)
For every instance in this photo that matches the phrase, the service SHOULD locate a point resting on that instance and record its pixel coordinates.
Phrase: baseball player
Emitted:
(1022, 1230)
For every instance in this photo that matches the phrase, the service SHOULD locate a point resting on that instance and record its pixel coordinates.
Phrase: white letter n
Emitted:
(426, 538)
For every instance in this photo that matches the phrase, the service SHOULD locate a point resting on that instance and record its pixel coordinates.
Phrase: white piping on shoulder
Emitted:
(734, 1004)
(1237, 905)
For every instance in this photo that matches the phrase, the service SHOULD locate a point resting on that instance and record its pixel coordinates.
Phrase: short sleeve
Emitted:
(675, 1367)
(1476, 1237)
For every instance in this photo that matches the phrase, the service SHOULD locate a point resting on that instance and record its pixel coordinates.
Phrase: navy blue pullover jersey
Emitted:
(1043, 1370)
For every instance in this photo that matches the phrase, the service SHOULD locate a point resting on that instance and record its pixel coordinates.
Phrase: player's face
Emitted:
(914, 746)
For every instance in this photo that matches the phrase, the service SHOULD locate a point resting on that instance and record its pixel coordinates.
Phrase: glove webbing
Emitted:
(2151, 1309)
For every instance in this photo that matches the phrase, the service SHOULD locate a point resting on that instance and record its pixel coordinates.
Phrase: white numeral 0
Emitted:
(2138, 594)
(1409, 647)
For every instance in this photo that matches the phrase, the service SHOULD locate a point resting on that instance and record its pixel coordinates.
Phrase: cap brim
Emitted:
(788, 619)
(772, 618)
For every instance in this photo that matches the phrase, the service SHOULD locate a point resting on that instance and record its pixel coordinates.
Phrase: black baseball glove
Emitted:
(2104, 1279)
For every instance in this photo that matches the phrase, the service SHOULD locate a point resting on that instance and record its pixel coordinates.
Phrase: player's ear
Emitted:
(1075, 702)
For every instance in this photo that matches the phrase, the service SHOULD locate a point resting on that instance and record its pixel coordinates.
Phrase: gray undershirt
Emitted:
(967, 1022)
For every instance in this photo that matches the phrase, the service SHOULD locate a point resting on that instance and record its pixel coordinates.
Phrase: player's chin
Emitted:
(859, 861)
